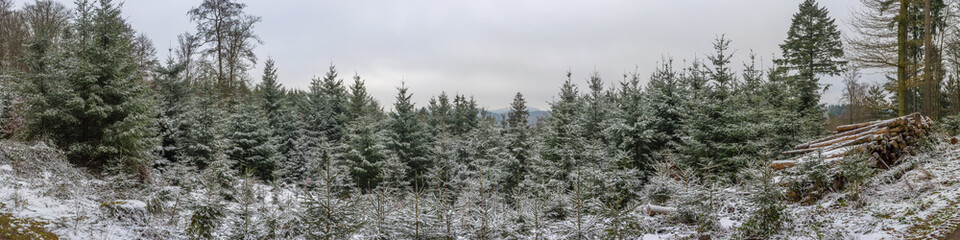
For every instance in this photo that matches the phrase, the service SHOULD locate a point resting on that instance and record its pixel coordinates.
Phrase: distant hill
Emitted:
(535, 114)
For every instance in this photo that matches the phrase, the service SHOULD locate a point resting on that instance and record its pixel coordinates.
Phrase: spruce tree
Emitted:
(663, 115)
(562, 143)
(250, 143)
(813, 47)
(331, 208)
(203, 129)
(271, 95)
(518, 145)
(96, 107)
(173, 100)
(327, 102)
(465, 115)
(409, 139)
(710, 141)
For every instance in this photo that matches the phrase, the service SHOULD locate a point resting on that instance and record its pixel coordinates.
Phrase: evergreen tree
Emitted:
(96, 107)
(173, 100)
(250, 144)
(327, 98)
(331, 210)
(364, 137)
(271, 95)
(812, 48)
(663, 116)
(409, 139)
(202, 128)
(440, 113)
(360, 103)
(365, 150)
(597, 107)
(710, 141)
(562, 144)
(518, 145)
(465, 116)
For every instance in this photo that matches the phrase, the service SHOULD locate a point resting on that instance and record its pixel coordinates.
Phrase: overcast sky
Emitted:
(494, 48)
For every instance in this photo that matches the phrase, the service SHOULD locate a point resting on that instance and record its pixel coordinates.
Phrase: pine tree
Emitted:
(812, 48)
(596, 112)
(663, 116)
(518, 146)
(298, 150)
(250, 144)
(218, 182)
(364, 138)
(440, 113)
(365, 150)
(709, 126)
(203, 130)
(409, 139)
(466, 115)
(271, 95)
(173, 101)
(327, 104)
(561, 139)
(331, 208)
(96, 107)
(360, 103)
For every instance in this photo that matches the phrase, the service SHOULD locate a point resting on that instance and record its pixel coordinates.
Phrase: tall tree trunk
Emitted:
(902, 57)
(930, 97)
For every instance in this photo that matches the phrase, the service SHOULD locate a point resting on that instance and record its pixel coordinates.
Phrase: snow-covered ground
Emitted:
(37, 184)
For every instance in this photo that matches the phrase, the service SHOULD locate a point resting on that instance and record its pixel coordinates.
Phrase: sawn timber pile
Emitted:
(885, 141)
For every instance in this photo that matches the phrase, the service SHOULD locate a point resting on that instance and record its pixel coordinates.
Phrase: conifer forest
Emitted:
(106, 134)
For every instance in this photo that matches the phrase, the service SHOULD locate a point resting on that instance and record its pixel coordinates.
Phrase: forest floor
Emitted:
(44, 197)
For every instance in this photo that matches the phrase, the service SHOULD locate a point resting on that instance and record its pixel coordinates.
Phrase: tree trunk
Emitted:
(930, 96)
(902, 57)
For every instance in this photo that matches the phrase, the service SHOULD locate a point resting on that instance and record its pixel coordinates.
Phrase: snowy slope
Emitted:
(37, 184)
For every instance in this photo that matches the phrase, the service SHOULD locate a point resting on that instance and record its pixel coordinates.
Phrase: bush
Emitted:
(856, 171)
(950, 125)
(204, 221)
(768, 214)
(812, 185)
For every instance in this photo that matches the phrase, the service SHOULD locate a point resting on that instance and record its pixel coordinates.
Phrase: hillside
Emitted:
(40, 190)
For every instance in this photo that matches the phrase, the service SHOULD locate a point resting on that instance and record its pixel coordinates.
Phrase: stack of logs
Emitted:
(885, 141)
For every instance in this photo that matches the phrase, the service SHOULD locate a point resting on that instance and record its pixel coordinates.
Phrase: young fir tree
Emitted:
(710, 139)
(218, 181)
(441, 117)
(364, 137)
(202, 129)
(173, 100)
(597, 106)
(626, 131)
(327, 104)
(271, 96)
(94, 104)
(561, 142)
(298, 149)
(250, 143)
(560, 150)
(409, 139)
(466, 115)
(813, 47)
(331, 207)
(663, 114)
(518, 146)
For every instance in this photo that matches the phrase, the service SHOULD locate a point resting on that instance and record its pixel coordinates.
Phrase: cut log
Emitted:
(885, 141)
(783, 164)
(652, 210)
